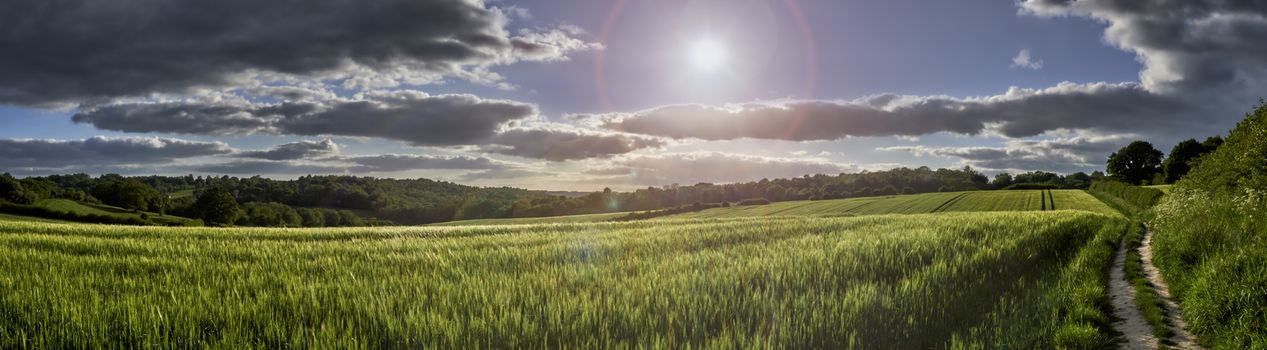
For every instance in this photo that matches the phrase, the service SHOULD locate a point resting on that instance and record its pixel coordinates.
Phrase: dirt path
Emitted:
(1130, 323)
(1181, 338)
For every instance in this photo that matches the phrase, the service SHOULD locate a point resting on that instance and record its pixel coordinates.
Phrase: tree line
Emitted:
(322, 201)
(1139, 163)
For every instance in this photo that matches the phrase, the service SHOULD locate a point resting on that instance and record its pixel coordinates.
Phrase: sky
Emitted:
(582, 95)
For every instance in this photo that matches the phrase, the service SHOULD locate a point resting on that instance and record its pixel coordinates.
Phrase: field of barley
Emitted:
(1017, 279)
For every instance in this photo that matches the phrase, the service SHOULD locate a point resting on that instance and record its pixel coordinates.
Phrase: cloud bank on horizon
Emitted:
(421, 88)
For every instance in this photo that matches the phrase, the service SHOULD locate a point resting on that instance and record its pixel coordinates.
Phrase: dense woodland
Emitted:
(323, 201)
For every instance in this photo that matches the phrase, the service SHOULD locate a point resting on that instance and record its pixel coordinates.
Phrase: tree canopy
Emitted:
(1136, 163)
(217, 207)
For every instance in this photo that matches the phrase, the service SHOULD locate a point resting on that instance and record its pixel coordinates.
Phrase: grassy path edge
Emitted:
(1180, 337)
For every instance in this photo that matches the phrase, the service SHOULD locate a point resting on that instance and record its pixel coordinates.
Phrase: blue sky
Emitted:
(588, 94)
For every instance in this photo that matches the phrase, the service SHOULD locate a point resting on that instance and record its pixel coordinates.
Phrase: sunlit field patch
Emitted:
(1015, 279)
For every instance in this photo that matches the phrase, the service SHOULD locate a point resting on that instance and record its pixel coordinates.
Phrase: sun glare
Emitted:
(708, 55)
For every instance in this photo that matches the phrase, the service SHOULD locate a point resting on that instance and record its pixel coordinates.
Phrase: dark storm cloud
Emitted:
(1064, 155)
(567, 144)
(294, 150)
(58, 154)
(1016, 113)
(410, 116)
(82, 50)
(1187, 46)
(177, 118)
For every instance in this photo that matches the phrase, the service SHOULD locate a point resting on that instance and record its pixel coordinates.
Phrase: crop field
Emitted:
(1019, 279)
(538, 220)
(1022, 200)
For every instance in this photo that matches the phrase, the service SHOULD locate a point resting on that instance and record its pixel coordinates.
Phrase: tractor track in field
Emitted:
(948, 203)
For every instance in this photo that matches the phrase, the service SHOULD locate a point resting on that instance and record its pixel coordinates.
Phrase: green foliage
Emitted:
(754, 201)
(1210, 239)
(50, 213)
(129, 194)
(1241, 162)
(1178, 161)
(11, 190)
(1210, 247)
(1135, 164)
(1002, 180)
(1007, 279)
(270, 215)
(1137, 198)
(69, 210)
(217, 207)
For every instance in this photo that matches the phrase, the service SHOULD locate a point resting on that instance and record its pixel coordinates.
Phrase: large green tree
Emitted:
(1178, 163)
(217, 207)
(11, 190)
(1136, 163)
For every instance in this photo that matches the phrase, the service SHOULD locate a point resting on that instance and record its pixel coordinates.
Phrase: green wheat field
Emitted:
(790, 274)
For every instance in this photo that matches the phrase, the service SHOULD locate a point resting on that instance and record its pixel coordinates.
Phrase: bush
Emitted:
(1140, 197)
(754, 201)
(1033, 186)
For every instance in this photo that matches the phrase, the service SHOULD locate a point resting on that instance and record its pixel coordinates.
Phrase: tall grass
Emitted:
(1014, 280)
(1211, 249)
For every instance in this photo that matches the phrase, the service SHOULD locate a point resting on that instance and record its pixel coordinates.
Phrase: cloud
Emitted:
(695, 167)
(257, 167)
(401, 162)
(100, 151)
(1204, 65)
(414, 117)
(498, 174)
(1061, 155)
(77, 51)
(551, 44)
(559, 144)
(1187, 46)
(294, 150)
(1023, 60)
(316, 157)
(411, 116)
(1015, 113)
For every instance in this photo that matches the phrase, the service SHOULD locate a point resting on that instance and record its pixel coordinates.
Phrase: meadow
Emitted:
(971, 201)
(537, 220)
(1002, 279)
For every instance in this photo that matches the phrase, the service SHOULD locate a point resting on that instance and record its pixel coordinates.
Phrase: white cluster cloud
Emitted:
(1023, 60)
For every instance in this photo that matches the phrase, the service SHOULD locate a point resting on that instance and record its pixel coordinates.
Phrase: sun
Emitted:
(708, 55)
